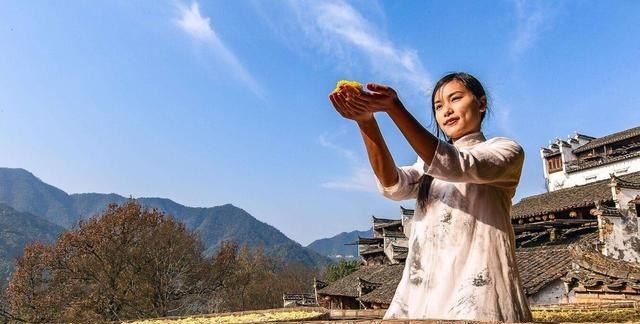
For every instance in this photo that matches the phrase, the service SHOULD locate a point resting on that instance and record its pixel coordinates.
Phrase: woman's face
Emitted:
(458, 112)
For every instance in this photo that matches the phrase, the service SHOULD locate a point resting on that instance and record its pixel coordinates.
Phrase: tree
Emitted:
(128, 263)
(28, 293)
(334, 272)
(260, 280)
(133, 263)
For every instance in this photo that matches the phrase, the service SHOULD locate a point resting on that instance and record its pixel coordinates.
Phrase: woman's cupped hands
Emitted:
(359, 105)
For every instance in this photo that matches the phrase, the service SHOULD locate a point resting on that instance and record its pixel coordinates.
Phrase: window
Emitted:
(554, 163)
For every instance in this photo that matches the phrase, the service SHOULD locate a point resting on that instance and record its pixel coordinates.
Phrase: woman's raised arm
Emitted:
(379, 156)
(384, 98)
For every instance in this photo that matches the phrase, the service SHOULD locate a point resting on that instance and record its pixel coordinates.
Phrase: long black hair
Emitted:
(476, 88)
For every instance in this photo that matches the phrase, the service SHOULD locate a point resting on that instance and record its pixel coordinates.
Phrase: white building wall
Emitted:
(620, 233)
(561, 179)
(557, 179)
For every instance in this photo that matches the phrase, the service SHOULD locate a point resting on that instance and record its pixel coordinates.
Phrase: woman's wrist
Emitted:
(396, 108)
(366, 121)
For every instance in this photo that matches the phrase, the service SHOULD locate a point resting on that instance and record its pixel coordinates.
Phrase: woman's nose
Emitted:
(447, 111)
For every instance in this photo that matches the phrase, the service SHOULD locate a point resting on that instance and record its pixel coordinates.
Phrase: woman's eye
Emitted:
(438, 107)
(455, 98)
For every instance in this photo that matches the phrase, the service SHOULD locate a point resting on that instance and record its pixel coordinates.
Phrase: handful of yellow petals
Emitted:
(348, 83)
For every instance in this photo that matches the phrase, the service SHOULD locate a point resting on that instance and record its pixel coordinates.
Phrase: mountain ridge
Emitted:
(336, 247)
(25, 192)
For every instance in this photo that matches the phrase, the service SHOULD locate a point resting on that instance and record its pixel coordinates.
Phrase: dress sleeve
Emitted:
(497, 162)
(408, 182)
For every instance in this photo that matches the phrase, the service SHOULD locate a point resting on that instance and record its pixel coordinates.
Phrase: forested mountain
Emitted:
(16, 230)
(25, 193)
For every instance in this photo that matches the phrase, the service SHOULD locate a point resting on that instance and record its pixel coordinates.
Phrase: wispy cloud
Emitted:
(351, 41)
(533, 19)
(199, 27)
(338, 24)
(346, 153)
(361, 178)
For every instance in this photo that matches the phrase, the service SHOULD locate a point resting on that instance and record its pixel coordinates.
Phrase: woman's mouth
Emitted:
(451, 122)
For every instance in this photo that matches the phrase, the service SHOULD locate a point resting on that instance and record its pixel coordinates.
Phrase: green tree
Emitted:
(341, 269)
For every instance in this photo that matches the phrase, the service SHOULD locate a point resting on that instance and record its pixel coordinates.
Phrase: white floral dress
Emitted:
(461, 261)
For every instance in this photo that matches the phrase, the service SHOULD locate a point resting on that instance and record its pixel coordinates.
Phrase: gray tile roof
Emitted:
(594, 270)
(615, 137)
(568, 198)
(575, 166)
(388, 275)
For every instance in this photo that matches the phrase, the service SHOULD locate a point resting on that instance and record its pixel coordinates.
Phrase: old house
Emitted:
(297, 300)
(581, 159)
(576, 243)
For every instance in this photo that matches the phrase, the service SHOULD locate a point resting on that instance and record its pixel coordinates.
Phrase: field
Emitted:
(261, 316)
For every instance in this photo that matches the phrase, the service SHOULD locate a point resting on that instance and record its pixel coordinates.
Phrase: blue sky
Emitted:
(217, 102)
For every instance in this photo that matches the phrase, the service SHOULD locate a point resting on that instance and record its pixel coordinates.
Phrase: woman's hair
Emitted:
(476, 88)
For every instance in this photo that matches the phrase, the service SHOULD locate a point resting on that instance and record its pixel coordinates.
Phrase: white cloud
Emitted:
(349, 40)
(192, 22)
(533, 18)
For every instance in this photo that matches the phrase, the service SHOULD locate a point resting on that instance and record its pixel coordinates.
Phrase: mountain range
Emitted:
(31, 209)
(340, 247)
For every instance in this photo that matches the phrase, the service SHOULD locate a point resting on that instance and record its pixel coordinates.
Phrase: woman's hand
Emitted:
(380, 98)
(343, 103)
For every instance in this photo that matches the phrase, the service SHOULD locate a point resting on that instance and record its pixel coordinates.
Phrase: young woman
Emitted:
(461, 262)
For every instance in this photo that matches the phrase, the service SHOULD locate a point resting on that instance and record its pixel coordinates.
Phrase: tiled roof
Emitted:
(372, 251)
(568, 198)
(400, 257)
(575, 166)
(594, 270)
(624, 183)
(369, 240)
(540, 266)
(391, 233)
(400, 252)
(406, 211)
(615, 137)
(539, 235)
(297, 296)
(399, 249)
(385, 225)
(388, 275)
(377, 220)
(549, 153)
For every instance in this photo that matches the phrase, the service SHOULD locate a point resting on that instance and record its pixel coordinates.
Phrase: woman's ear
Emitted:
(483, 104)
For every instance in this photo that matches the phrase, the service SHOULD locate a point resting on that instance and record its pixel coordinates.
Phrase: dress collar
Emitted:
(470, 139)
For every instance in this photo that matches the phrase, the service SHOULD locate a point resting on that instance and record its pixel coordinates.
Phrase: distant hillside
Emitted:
(26, 193)
(335, 248)
(16, 231)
